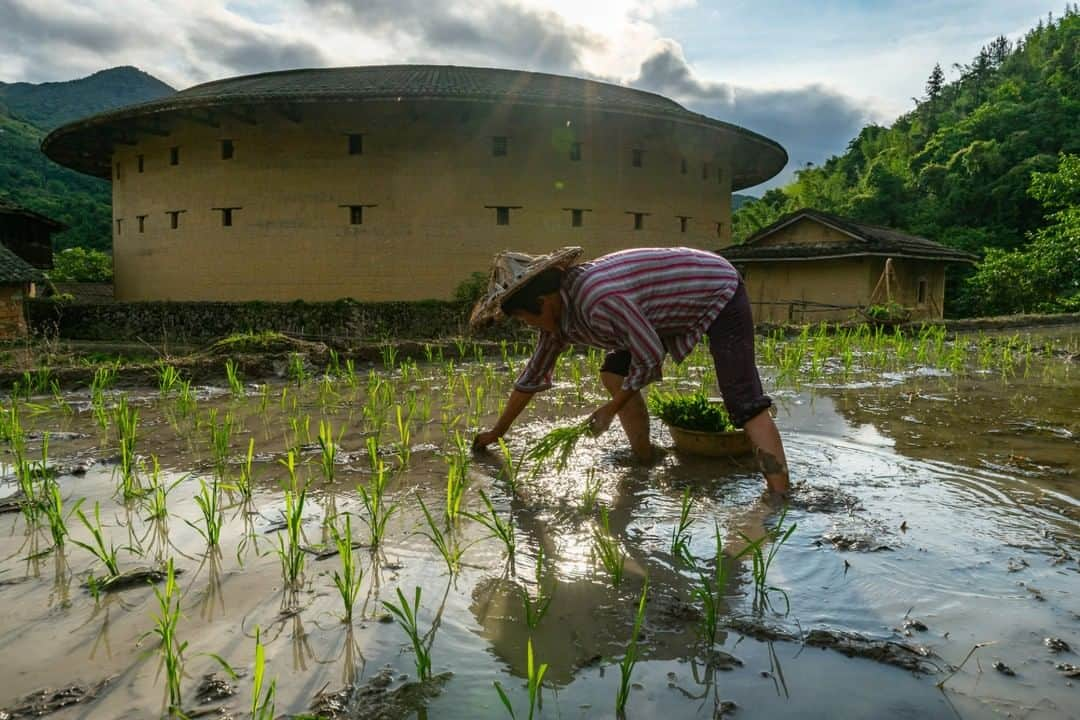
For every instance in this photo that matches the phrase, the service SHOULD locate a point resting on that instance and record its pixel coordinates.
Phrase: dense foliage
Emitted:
(81, 265)
(963, 169)
(27, 114)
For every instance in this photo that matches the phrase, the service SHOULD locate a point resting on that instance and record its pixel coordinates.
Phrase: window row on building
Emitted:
(355, 215)
(500, 147)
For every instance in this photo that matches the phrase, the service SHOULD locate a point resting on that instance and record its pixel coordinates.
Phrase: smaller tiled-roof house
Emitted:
(25, 250)
(811, 266)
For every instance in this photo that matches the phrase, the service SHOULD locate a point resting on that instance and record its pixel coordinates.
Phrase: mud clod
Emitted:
(213, 688)
(136, 577)
(49, 700)
(1056, 645)
(374, 700)
(1068, 670)
(890, 652)
(1003, 668)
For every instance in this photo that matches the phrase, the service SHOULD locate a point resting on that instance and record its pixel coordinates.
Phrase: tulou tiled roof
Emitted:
(860, 239)
(86, 144)
(13, 269)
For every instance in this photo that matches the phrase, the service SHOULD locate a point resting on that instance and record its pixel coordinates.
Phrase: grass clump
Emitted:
(608, 551)
(626, 665)
(535, 676)
(690, 412)
(406, 617)
(351, 576)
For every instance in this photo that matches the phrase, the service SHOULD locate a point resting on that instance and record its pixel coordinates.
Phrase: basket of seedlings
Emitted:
(699, 424)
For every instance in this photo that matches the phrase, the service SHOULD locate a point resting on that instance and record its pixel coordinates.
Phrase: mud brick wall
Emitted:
(339, 322)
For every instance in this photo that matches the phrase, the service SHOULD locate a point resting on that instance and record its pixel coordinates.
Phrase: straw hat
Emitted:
(511, 270)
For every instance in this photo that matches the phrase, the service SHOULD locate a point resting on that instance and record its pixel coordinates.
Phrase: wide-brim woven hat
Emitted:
(511, 270)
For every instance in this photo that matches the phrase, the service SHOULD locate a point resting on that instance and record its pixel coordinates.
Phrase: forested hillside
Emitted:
(27, 113)
(983, 163)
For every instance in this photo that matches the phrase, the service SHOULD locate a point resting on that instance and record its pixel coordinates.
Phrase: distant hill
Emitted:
(27, 113)
(49, 105)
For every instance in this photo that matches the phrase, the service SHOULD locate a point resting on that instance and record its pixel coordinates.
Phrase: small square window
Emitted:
(356, 214)
(682, 166)
(576, 217)
(174, 218)
(502, 216)
(639, 221)
(575, 151)
(226, 149)
(139, 162)
(499, 146)
(719, 229)
(683, 222)
(174, 156)
(226, 217)
(142, 222)
(637, 158)
(356, 144)
(923, 287)
(117, 171)
(119, 225)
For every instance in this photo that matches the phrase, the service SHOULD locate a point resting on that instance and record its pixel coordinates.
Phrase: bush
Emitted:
(81, 265)
(472, 288)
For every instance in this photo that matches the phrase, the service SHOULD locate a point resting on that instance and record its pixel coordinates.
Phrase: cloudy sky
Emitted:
(808, 73)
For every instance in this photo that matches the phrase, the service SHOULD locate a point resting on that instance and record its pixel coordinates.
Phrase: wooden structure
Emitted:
(25, 250)
(811, 266)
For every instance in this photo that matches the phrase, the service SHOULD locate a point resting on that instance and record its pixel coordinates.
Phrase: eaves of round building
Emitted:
(86, 145)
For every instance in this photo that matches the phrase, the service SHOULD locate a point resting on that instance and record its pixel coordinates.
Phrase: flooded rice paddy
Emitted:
(932, 570)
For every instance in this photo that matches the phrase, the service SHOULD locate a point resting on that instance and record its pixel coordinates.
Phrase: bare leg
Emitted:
(634, 418)
(769, 451)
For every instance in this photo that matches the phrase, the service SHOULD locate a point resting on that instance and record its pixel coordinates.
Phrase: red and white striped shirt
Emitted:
(649, 301)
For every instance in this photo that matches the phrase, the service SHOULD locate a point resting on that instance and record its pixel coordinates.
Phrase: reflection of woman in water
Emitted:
(642, 305)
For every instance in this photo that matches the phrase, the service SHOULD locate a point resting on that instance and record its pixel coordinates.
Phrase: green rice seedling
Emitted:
(168, 378)
(209, 502)
(59, 401)
(535, 609)
(680, 535)
(292, 554)
(710, 592)
(106, 554)
(608, 550)
(558, 444)
(445, 543)
(11, 430)
(297, 371)
(221, 435)
(262, 703)
(351, 576)
(626, 665)
(328, 395)
(429, 353)
(535, 676)
(777, 536)
(457, 483)
(389, 354)
(350, 373)
(404, 426)
(158, 492)
(127, 425)
(374, 499)
(28, 474)
(328, 450)
(232, 374)
(301, 431)
(509, 470)
(459, 345)
(406, 617)
(186, 399)
(500, 529)
(52, 506)
(333, 364)
(244, 482)
(591, 489)
(170, 648)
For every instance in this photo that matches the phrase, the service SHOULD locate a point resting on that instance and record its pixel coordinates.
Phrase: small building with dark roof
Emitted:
(811, 266)
(398, 182)
(17, 278)
(28, 234)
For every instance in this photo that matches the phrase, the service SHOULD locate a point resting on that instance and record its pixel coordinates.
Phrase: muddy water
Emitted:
(950, 500)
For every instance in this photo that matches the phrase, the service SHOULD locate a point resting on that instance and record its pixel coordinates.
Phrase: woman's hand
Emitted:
(600, 420)
(482, 440)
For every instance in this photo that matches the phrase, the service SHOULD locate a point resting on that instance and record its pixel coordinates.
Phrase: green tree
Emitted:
(81, 265)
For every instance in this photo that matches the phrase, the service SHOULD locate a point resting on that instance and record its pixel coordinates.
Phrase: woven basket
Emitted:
(712, 444)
